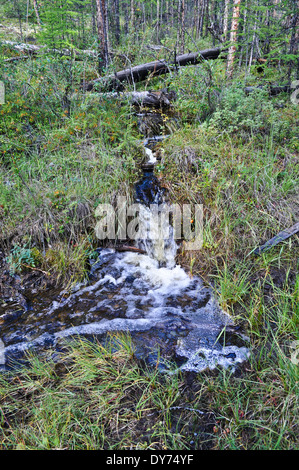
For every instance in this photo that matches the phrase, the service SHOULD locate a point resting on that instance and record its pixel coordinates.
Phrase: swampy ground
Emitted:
(61, 155)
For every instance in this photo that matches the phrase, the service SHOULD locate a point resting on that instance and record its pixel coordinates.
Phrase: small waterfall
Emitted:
(150, 154)
(156, 231)
(158, 241)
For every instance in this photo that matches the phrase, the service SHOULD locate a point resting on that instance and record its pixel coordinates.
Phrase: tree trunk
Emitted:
(153, 99)
(132, 18)
(117, 21)
(93, 16)
(243, 35)
(202, 16)
(181, 26)
(252, 48)
(225, 19)
(158, 21)
(126, 15)
(36, 12)
(294, 41)
(102, 34)
(207, 17)
(196, 19)
(233, 38)
(141, 72)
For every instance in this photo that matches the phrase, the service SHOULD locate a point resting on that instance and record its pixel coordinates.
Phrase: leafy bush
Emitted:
(198, 89)
(254, 113)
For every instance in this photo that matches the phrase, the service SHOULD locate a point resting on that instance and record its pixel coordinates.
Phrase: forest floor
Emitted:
(62, 154)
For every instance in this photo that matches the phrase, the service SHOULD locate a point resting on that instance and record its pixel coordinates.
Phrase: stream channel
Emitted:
(169, 315)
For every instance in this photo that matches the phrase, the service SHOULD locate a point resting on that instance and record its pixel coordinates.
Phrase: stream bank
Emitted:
(171, 316)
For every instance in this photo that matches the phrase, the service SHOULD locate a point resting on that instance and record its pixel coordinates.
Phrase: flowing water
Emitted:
(170, 315)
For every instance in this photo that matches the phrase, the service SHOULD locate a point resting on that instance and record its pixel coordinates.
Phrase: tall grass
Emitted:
(95, 397)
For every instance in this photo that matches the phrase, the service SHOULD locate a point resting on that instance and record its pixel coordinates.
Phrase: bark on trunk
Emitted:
(281, 236)
(273, 90)
(36, 12)
(130, 248)
(233, 38)
(102, 34)
(153, 99)
(225, 19)
(117, 22)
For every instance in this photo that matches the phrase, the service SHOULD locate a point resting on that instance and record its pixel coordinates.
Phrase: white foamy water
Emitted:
(150, 154)
(157, 235)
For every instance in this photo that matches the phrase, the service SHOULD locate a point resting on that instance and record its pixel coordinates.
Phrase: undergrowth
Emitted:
(63, 152)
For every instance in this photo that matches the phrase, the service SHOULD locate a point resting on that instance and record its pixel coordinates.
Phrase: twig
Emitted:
(35, 269)
(281, 236)
(130, 248)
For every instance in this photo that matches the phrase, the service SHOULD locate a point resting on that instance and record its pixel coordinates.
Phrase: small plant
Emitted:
(21, 257)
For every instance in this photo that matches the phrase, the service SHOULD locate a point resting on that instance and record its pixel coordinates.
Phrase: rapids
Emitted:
(169, 315)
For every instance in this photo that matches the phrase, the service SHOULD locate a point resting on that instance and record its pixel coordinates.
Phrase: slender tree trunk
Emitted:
(27, 15)
(233, 38)
(158, 20)
(207, 17)
(181, 26)
(252, 46)
(102, 34)
(225, 19)
(294, 41)
(93, 16)
(117, 21)
(243, 35)
(106, 29)
(172, 16)
(36, 12)
(132, 18)
(196, 19)
(202, 16)
(144, 17)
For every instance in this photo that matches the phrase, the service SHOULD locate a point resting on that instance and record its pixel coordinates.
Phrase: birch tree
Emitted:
(225, 19)
(233, 38)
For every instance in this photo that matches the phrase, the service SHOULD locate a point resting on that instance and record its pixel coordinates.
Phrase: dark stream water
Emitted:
(169, 315)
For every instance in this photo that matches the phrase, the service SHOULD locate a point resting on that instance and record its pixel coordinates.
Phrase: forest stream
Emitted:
(170, 315)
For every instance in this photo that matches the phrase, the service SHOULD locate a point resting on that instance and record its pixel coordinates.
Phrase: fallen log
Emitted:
(153, 99)
(281, 236)
(156, 99)
(130, 248)
(272, 90)
(33, 49)
(139, 73)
